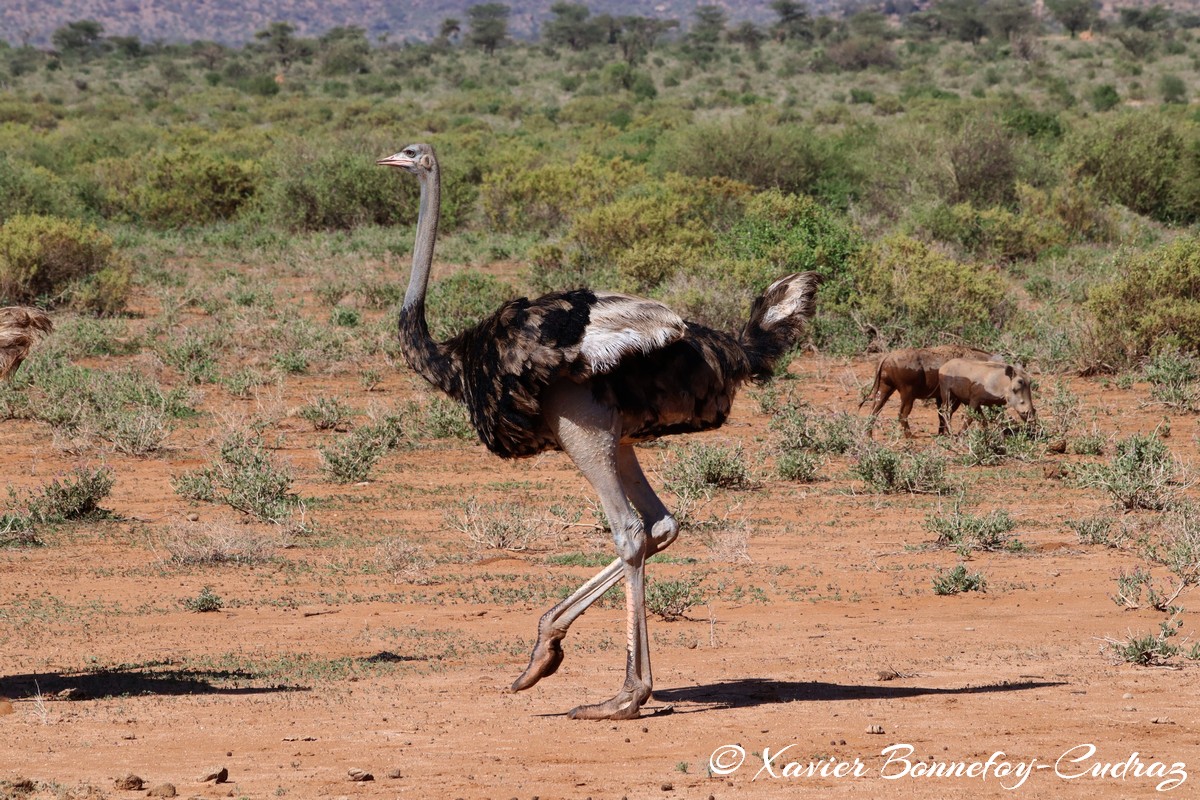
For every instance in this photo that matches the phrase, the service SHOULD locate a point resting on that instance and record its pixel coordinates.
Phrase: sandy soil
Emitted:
(828, 640)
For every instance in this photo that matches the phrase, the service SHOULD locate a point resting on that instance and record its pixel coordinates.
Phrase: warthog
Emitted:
(914, 374)
(984, 383)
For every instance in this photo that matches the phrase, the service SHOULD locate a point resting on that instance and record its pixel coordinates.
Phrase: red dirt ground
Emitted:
(322, 662)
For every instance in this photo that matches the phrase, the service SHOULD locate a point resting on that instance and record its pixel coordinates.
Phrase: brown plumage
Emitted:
(19, 328)
(591, 373)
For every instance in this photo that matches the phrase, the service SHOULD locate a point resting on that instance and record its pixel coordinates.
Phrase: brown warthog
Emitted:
(914, 373)
(984, 383)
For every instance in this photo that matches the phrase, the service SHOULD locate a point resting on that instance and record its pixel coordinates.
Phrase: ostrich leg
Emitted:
(552, 627)
(590, 434)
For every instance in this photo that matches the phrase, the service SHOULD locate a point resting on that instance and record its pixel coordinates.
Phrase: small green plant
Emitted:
(345, 317)
(1151, 649)
(797, 429)
(206, 601)
(1093, 530)
(885, 470)
(671, 600)
(967, 532)
(799, 467)
(350, 460)
(244, 476)
(1143, 474)
(701, 468)
(75, 496)
(16, 530)
(326, 413)
(1172, 374)
(243, 382)
(369, 379)
(958, 580)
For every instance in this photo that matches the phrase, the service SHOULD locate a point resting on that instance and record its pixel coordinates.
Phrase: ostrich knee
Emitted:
(630, 539)
(662, 534)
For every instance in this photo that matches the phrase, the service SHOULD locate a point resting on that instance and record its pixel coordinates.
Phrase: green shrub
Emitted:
(885, 470)
(904, 280)
(701, 468)
(76, 496)
(1105, 97)
(548, 197)
(49, 260)
(350, 460)
(1154, 304)
(1143, 160)
(30, 189)
(967, 532)
(1172, 375)
(206, 601)
(798, 466)
(958, 580)
(671, 600)
(446, 419)
(337, 186)
(189, 187)
(245, 477)
(797, 429)
(984, 164)
(773, 155)
(326, 413)
(1142, 474)
(1172, 88)
(781, 233)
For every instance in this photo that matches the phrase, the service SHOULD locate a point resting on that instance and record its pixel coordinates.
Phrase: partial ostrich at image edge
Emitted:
(19, 329)
(592, 373)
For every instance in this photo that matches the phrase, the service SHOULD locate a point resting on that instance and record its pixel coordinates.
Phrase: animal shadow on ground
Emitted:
(153, 678)
(750, 692)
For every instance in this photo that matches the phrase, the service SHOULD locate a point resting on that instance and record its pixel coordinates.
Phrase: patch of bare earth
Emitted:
(329, 656)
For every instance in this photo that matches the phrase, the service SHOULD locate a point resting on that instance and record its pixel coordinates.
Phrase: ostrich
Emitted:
(18, 328)
(591, 373)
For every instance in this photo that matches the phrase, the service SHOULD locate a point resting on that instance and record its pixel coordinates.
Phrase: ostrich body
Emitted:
(19, 327)
(592, 373)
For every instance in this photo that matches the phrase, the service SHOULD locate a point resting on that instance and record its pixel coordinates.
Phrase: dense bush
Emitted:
(902, 279)
(1155, 304)
(335, 189)
(544, 198)
(53, 261)
(654, 229)
(30, 189)
(764, 153)
(1142, 160)
(189, 187)
(781, 233)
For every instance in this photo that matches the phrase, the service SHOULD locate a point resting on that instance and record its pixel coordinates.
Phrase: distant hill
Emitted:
(235, 21)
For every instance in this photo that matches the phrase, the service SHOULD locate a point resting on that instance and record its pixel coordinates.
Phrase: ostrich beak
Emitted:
(398, 160)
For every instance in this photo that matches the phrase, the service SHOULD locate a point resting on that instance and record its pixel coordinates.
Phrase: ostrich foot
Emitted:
(546, 657)
(626, 705)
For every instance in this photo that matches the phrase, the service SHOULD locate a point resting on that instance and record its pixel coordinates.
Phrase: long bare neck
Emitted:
(427, 225)
(432, 361)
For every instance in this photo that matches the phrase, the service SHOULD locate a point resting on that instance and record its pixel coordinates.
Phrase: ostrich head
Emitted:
(416, 158)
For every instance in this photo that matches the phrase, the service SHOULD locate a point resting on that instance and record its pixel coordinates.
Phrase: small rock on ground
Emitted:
(357, 774)
(162, 790)
(130, 783)
(216, 774)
